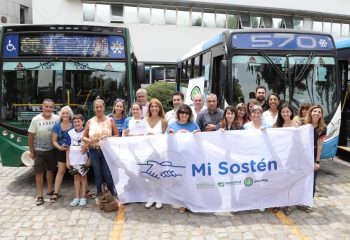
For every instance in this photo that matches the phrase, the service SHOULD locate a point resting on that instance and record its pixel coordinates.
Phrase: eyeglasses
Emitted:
(184, 112)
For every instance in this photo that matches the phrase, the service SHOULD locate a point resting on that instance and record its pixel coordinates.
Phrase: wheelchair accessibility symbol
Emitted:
(10, 47)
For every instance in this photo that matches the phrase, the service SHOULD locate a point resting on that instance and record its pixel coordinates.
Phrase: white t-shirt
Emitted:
(76, 142)
(170, 116)
(42, 128)
(195, 113)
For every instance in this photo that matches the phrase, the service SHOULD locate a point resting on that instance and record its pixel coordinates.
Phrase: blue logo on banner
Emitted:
(116, 47)
(10, 46)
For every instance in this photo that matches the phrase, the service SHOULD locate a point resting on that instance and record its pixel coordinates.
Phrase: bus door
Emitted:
(344, 67)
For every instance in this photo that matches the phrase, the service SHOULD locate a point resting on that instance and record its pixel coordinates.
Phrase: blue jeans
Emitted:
(101, 170)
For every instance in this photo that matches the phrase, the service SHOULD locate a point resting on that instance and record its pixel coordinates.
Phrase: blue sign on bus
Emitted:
(282, 41)
(61, 44)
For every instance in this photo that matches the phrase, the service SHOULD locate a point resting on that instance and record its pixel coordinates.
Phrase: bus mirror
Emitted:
(223, 72)
(141, 72)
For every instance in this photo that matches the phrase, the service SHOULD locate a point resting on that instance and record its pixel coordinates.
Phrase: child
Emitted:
(77, 161)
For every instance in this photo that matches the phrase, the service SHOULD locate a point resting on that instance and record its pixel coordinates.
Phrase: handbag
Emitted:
(105, 201)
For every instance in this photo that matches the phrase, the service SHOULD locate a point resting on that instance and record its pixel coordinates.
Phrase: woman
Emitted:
(97, 128)
(302, 113)
(270, 115)
(60, 140)
(242, 113)
(256, 119)
(315, 118)
(229, 121)
(256, 123)
(119, 115)
(250, 104)
(285, 119)
(135, 125)
(156, 124)
(183, 124)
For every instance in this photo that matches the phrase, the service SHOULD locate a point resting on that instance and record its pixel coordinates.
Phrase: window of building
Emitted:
(196, 18)
(88, 12)
(209, 20)
(221, 20)
(170, 74)
(158, 16)
(130, 14)
(298, 24)
(336, 29)
(183, 18)
(276, 22)
(170, 17)
(317, 26)
(345, 29)
(232, 21)
(144, 15)
(307, 24)
(117, 13)
(103, 13)
(327, 27)
(22, 14)
(255, 21)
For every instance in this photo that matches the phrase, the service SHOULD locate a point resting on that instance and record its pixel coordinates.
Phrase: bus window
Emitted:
(196, 67)
(24, 90)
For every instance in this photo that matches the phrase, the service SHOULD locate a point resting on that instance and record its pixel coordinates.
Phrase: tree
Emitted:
(163, 92)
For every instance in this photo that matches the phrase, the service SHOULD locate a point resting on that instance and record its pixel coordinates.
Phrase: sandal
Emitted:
(50, 193)
(54, 197)
(304, 208)
(287, 211)
(276, 209)
(90, 194)
(39, 201)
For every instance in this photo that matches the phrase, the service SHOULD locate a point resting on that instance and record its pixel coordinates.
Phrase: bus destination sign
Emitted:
(64, 45)
(282, 41)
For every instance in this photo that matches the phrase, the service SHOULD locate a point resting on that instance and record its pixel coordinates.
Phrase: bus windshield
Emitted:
(297, 79)
(77, 84)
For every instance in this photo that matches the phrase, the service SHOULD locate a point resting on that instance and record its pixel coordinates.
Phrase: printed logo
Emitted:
(205, 185)
(117, 47)
(248, 181)
(323, 43)
(221, 184)
(195, 91)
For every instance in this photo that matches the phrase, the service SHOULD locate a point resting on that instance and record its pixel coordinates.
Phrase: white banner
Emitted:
(215, 171)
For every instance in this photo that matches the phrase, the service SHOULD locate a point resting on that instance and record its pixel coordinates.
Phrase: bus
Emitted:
(343, 52)
(300, 66)
(70, 64)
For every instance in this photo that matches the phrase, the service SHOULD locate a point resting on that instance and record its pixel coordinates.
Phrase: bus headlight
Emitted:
(12, 136)
(5, 133)
(19, 139)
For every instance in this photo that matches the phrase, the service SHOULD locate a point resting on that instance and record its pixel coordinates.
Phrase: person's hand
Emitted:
(126, 131)
(210, 127)
(31, 154)
(68, 165)
(222, 130)
(171, 131)
(196, 131)
(317, 167)
(63, 147)
(88, 163)
(83, 149)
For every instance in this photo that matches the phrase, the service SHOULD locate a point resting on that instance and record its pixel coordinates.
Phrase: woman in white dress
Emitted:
(156, 124)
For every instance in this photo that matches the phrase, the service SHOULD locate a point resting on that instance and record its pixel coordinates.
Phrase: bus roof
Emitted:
(221, 38)
(344, 43)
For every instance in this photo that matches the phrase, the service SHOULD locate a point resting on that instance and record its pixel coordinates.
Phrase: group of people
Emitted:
(63, 141)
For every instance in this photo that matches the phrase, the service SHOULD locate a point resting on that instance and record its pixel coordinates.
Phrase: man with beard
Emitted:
(260, 94)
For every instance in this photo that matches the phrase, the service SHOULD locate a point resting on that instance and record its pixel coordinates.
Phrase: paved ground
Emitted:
(21, 219)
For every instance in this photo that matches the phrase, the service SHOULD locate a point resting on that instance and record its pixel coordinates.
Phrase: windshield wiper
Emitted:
(274, 66)
(306, 65)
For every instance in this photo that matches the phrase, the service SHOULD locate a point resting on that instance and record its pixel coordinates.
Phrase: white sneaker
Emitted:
(159, 205)
(148, 204)
(262, 209)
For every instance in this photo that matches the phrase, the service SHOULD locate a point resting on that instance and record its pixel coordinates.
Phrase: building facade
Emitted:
(162, 31)
(16, 12)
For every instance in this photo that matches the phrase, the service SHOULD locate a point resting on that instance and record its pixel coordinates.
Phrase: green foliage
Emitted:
(163, 92)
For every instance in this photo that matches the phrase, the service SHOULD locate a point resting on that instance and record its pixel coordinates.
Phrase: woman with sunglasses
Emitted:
(183, 124)
(156, 124)
(119, 114)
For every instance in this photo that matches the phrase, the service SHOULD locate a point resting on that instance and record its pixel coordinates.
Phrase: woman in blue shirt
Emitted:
(119, 114)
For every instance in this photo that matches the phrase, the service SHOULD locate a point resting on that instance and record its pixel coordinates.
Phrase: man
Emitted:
(141, 97)
(41, 148)
(210, 117)
(198, 105)
(178, 99)
(260, 94)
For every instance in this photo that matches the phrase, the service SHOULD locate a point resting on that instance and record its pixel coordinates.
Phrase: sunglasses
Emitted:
(184, 112)
(119, 100)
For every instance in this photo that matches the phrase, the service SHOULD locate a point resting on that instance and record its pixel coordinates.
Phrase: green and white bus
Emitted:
(71, 64)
